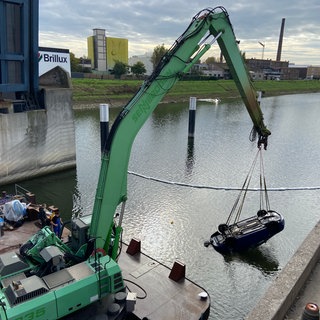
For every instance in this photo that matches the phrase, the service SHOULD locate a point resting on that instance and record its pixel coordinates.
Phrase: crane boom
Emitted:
(185, 52)
(49, 279)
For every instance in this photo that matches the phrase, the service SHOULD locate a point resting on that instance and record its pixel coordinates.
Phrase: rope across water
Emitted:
(181, 184)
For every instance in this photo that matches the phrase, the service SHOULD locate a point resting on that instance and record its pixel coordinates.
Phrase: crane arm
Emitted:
(185, 52)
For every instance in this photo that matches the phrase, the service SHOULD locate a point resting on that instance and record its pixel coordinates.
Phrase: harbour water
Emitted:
(174, 219)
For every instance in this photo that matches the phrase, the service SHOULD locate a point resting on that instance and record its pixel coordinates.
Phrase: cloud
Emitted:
(146, 24)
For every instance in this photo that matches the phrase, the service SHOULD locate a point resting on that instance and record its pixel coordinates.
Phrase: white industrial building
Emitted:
(145, 59)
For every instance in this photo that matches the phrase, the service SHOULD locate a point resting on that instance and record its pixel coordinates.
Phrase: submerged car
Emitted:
(247, 233)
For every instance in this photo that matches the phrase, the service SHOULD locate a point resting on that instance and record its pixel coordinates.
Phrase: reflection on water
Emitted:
(261, 258)
(174, 221)
(190, 156)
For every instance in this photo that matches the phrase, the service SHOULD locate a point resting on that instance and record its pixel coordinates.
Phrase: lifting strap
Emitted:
(264, 199)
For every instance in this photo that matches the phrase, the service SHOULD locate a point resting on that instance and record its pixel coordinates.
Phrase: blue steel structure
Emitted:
(19, 20)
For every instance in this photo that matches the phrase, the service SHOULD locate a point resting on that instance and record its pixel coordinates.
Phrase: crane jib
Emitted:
(178, 60)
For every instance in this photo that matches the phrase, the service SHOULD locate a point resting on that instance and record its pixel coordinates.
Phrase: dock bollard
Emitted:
(178, 271)
(311, 312)
(134, 247)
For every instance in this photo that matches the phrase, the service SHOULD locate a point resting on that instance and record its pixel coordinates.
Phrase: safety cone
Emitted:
(311, 312)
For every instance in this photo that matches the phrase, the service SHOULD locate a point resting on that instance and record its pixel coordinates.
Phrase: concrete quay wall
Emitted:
(38, 142)
(283, 291)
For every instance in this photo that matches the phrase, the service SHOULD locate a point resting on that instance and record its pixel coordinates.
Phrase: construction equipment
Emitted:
(49, 279)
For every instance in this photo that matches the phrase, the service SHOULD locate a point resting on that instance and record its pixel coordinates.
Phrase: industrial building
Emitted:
(36, 116)
(19, 51)
(104, 51)
(22, 61)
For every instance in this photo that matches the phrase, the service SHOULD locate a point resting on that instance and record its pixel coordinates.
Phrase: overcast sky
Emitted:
(148, 23)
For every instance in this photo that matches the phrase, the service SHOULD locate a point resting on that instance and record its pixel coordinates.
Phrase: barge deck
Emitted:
(158, 292)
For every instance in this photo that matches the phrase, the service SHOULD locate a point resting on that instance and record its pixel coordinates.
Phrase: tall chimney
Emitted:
(280, 40)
